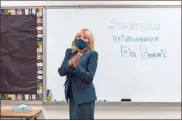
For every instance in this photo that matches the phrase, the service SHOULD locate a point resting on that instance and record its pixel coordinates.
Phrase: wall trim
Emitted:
(114, 104)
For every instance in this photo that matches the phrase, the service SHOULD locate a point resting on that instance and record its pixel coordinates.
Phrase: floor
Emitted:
(113, 112)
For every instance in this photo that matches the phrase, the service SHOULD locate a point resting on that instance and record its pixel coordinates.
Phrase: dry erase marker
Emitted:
(26, 97)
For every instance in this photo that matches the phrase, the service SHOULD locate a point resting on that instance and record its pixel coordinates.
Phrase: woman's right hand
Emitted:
(70, 63)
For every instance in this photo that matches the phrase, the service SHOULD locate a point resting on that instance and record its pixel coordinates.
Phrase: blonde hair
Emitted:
(89, 35)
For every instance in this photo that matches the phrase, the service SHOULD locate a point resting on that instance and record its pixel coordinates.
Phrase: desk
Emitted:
(7, 113)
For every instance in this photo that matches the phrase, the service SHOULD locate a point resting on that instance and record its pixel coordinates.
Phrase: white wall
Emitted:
(59, 3)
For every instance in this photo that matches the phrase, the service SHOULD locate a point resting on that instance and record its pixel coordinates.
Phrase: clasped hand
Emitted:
(74, 61)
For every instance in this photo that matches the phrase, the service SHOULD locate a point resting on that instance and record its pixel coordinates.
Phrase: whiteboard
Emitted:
(139, 51)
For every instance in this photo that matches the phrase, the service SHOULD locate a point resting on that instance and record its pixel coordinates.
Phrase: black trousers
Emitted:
(83, 111)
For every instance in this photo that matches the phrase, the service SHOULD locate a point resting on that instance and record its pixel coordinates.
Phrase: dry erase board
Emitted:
(139, 51)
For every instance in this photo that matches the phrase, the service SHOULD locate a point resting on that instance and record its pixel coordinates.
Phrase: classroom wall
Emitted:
(64, 3)
(67, 3)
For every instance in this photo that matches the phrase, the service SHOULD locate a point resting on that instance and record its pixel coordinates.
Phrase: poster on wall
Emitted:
(25, 82)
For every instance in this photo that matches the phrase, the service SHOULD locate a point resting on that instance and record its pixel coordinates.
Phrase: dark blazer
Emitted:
(80, 77)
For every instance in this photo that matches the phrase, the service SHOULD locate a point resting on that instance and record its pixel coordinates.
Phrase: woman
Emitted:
(79, 67)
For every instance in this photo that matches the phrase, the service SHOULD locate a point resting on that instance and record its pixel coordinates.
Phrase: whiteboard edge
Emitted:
(114, 104)
(44, 53)
(111, 6)
(122, 104)
(93, 6)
